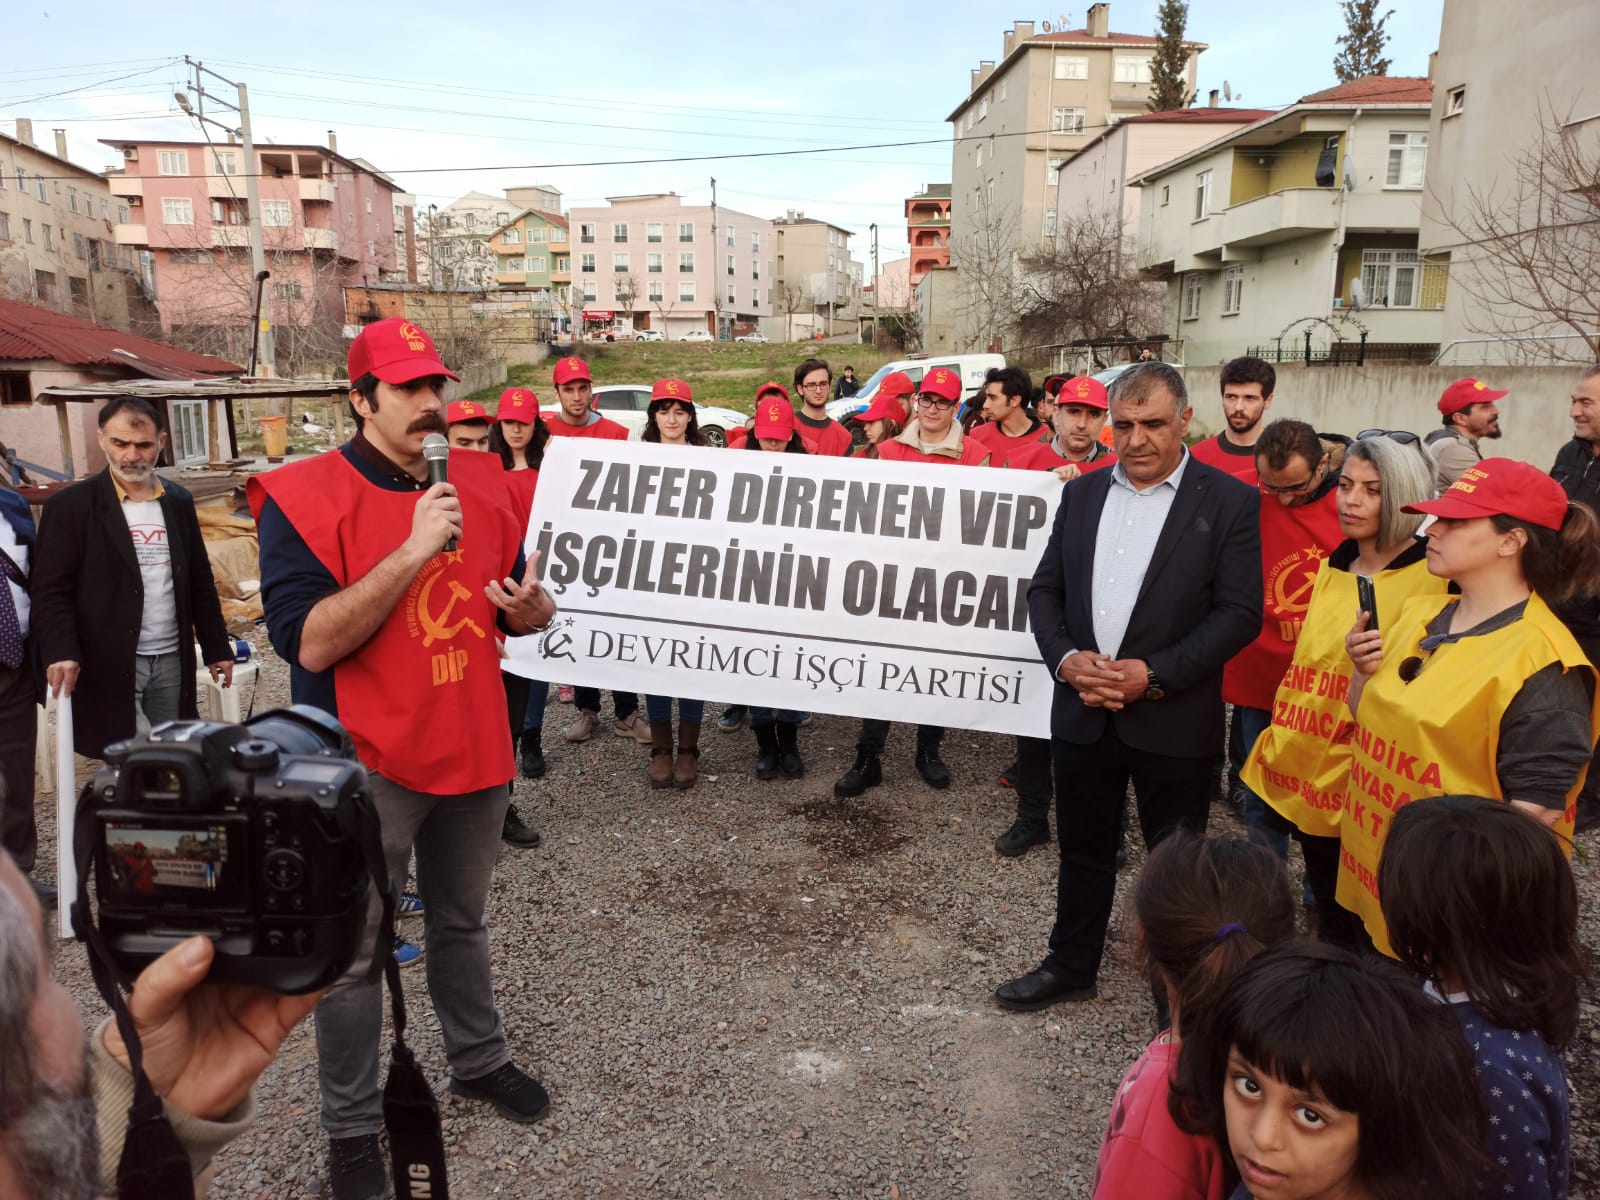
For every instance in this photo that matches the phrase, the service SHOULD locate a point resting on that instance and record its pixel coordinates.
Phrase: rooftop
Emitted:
(28, 331)
(1375, 89)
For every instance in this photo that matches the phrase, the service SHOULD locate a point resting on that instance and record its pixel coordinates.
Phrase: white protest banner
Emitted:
(865, 588)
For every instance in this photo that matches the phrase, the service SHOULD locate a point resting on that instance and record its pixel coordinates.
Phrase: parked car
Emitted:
(697, 335)
(970, 367)
(753, 337)
(650, 335)
(627, 405)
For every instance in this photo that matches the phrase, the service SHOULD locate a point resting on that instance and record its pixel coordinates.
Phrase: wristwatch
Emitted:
(1152, 688)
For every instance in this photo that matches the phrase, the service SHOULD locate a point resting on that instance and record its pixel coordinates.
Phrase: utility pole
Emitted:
(716, 254)
(258, 256)
(877, 300)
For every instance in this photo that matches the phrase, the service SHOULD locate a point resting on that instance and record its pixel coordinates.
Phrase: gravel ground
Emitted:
(756, 990)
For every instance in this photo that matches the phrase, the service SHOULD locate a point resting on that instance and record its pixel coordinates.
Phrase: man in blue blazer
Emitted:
(21, 687)
(1151, 581)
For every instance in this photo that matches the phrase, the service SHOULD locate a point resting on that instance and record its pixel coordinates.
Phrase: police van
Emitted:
(970, 367)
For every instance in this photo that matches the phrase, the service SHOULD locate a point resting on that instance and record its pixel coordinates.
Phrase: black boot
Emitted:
(929, 764)
(1024, 835)
(865, 772)
(515, 833)
(767, 742)
(532, 753)
(789, 761)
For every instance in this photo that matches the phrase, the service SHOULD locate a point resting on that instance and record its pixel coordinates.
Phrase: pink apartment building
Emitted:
(327, 222)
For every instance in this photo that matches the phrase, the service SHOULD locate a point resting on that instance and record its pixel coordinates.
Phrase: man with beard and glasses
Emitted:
(64, 1102)
(1468, 413)
(385, 594)
(1247, 385)
(121, 589)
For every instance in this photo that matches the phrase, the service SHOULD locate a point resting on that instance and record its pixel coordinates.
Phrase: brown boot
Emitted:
(660, 774)
(687, 769)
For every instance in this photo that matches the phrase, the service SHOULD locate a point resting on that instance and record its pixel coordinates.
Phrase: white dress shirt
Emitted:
(1130, 524)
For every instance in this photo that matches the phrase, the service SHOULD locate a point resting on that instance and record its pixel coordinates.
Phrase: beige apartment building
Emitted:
(816, 286)
(56, 243)
(1049, 94)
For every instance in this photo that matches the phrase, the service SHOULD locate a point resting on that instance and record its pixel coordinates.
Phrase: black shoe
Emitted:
(732, 718)
(532, 755)
(932, 768)
(46, 892)
(767, 743)
(865, 772)
(1008, 777)
(516, 1095)
(517, 833)
(1023, 836)
(355, 1168)
(1040, 989)
(789, 761)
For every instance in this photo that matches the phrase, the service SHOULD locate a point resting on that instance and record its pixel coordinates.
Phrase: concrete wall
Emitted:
(1347, 400)
(34, 432)
(476, 378)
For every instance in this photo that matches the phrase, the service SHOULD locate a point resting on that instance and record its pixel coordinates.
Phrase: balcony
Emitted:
(131, 235)
(225, 187)
(234, 236)
(1276, 217)
(316, 191)
(126, 185)
(321, 239)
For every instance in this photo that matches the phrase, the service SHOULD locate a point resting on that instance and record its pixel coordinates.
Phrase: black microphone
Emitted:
(437, 451)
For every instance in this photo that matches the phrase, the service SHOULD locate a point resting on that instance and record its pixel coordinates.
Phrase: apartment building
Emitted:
(56, 247)
(525, 249)
(1051, 91)
(453, 242)
(928, 229)
(653, 262)
(816, 285)
(327, 222)
(1303, 221)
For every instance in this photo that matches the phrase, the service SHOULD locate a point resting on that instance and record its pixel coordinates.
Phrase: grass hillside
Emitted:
(719, 373)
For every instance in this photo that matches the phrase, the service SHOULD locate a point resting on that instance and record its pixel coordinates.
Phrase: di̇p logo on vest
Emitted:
(438, 614)
(1289, 585)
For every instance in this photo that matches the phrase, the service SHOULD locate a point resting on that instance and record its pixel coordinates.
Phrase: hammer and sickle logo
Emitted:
(1083, 388)
(435, 628)
(1479, 385)
(556, 643)
(772, 413)
(574, 364)
(413, 336)
(671, 387)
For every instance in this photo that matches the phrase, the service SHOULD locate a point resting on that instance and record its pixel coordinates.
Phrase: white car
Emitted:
(753, 337)
(650, 335)
(697, 335)
(627, 405)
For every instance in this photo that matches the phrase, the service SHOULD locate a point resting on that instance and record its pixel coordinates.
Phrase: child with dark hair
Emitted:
(1206, 907)
(1479, 900)
(1330, 1076)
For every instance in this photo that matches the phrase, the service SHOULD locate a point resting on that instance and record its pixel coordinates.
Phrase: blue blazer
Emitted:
(15, 512)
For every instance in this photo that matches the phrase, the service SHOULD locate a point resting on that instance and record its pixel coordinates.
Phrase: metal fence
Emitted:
(1348, 354)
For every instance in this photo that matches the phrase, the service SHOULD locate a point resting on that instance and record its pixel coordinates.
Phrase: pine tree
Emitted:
(1169, 65)
(1361, 44)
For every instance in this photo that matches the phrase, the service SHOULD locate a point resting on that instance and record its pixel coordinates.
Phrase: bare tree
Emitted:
(628, 293)
(1085, 287)
(791, 298)
(1530, 258)
(663, 304)
(985, 260)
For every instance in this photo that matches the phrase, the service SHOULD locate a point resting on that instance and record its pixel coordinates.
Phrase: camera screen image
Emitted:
(149, 862)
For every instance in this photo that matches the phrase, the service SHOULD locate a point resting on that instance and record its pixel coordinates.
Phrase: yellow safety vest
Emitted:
(1438, 735)
(1301, 761)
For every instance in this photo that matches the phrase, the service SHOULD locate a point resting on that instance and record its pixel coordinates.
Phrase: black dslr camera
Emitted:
(249, 834)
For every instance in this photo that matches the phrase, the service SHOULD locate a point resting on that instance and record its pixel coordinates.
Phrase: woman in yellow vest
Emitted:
(1485, 693)
(1301, 762)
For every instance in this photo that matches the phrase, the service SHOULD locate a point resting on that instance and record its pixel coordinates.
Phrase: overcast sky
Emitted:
(466, 95)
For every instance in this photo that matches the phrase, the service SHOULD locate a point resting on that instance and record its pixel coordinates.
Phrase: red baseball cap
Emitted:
(1464, 393)
(396, 351)
(465, 410)
(671, 389)
(1090, 393)
(896, 383)
(518, 404)
(942, 382)
(771, 385)
(1052, 384)
(568, 369)
(887, 406)
(1500, 487)
(774, 419)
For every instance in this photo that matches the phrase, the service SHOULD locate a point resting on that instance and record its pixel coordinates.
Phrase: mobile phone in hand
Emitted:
(1367, 596)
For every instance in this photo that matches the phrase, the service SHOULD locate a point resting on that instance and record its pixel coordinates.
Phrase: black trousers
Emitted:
(1336, 924)
(19, 730)
(589, 698)
(1035, 796)
(875, 734)
(1091, 789)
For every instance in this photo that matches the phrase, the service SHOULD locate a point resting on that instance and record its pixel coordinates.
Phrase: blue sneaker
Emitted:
(406, 953)
(409, 905)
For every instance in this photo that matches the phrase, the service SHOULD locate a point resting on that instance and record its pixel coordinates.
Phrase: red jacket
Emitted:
(603, 428)
(972, 454)
(1144, 1155)
(1239, 462)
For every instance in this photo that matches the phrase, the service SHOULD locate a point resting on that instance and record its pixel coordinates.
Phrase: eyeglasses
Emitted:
(926, 401)
(1294, 489)
(1403, 436)
(821, 383)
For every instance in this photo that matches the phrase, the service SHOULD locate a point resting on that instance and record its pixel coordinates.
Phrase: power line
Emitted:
(86, 87)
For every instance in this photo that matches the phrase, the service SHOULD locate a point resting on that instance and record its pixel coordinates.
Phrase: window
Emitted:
(5, 227)
(536, 234)
(732, 299)
(511, 266)
(173, 162)
(652, 262)
(657, 290)
(619, 231)
(286, 291)
(1389, 277)
(730, 235)
(978, 162)
(224, 162)
(1166, 194)
(686, 260)
(22, 180)
(177, 210)
(1408, 156)
(275, 214)
(686, 231)
(1131, 70)
(685, 289)
(189, 256)
(122, 214)
(78, 247)
(105, 210)
(652, 231)
(755, 242)
(586, 262)
(588, 293)
(1455, 100)
(72, 199)
(49, 237)
(755, 270)
(619, 263)
(1202, 195)
(983, 108)
(223, 213)
(1049, 222)
(1052, 173)
(557, 234)
(14, 388)
(730, 264)
(536, 264)
(1191, 296)
(38, 182)
(586, 233)
(989, 192)
(500, 218)
(369, 207)
(1232, 290)
(1066, 120)
(1002, 97)
(27, 231)
(512, 236)
(1072, 66)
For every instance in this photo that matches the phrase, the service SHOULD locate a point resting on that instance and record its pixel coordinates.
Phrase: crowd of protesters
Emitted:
(1402, 631)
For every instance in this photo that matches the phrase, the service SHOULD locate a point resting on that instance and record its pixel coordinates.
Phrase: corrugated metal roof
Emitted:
(28, 331)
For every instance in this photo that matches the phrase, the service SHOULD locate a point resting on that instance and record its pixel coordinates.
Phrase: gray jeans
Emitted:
(456, 840)
(157, 684)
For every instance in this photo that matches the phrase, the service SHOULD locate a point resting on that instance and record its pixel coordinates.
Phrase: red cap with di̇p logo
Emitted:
(396, 351)
(568, 369)
(518, 404)
(1090, 393)
(671, 389)
(1500, 487)
(774, 418)
(1464, 393)
(941, 382)
(465, 410)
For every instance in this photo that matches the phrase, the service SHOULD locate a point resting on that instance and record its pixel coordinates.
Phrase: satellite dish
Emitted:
(1227, 92)
(1358, 295)
(1349, 173)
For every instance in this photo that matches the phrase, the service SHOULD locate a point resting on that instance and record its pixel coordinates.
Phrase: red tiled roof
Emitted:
(1376, 89)
(1204, 116)
(28, 331)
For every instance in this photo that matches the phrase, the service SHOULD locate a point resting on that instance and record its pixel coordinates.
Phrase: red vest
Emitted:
(1003, 448)
(972, 454)
(832, 442)
(521, 485)
(604, 428)
(1294, 541)
(422, 699)
(1240, 466)
(1044, 457)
